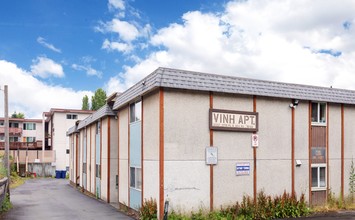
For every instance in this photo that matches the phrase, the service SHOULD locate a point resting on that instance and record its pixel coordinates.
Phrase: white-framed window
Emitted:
(319, 176)
(72, 116)
(136, 178)
(29, 126)
(319, 114)
(135, 110)
(14, 139)
(13, 125)
(1, 124)
(2, 138)
(30, 139)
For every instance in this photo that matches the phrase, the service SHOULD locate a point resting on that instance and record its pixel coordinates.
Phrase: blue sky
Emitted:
(52, 52)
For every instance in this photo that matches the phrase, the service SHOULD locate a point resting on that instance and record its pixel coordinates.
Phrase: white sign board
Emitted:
(211, 155)
(242, 169)
(254, 140)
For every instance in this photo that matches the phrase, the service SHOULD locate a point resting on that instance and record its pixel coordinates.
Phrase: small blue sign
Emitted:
(242, 169)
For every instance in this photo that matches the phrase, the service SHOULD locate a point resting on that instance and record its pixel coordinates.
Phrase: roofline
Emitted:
(23, 119)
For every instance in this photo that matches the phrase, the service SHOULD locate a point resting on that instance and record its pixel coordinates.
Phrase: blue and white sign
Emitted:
(242, 169)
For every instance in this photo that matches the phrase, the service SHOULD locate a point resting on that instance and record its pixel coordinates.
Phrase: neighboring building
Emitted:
(24, 133)
(57, 122)
(203, 141)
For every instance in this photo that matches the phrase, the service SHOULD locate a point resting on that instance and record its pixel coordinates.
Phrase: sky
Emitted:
(53, 52)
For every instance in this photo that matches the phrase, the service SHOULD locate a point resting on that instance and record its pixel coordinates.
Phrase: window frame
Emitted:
(136, 178)
(318, 167)
(318, 121)
(135, 111)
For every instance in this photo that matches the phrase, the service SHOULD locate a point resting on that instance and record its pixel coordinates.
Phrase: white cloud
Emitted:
(88, 69)
(43, 42)
(126, 31)
(45, 67)
(116, 4)
(31, 96)
(262, 39)
(121, 47)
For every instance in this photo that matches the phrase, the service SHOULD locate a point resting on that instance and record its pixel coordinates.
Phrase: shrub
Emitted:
(149, 209)
(6, 204)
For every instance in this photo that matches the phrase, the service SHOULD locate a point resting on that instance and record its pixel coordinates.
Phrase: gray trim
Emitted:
(102, 112)
(181, 79)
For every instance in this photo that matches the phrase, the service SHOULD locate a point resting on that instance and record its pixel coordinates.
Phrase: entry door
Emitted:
(98, 160)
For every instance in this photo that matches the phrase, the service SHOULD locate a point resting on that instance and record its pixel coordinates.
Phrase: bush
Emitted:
(149, 209)
(6, 204)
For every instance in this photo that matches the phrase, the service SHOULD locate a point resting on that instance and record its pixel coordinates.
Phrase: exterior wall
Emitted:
(186, 135)
(60, 141)
(233, 147)
(38, 133)
(92, 159)
(334, 165)
(104, 158)
(113, 160)
(274, 151)
(151, 147)
(349, 143)
(301, 149)
(123, 185)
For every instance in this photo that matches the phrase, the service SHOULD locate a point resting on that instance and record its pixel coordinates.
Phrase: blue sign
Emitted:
(242, 169)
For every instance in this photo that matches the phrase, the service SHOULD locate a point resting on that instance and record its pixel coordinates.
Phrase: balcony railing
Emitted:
(33, 156)
(23, 145)
(12, 131)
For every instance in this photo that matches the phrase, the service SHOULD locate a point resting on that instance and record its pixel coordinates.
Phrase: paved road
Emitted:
(54, 199)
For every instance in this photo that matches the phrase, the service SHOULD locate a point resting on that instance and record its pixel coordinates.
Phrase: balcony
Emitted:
(12, 131)
(23, 145)
(33, 156)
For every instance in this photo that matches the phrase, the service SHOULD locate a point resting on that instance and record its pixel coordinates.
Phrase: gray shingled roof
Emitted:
(102, 112)
(181, 79)
(72, 130)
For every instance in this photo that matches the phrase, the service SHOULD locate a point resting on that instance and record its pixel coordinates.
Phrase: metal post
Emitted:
(7, 138)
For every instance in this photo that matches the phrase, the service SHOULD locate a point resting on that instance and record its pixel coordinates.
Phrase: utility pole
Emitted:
(7, 137)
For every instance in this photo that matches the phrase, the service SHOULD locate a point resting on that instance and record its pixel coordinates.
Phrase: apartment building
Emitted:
(56, 123)
(183, 134)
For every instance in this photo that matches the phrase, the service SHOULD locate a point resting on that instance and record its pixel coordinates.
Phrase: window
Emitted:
(13, 125)
(135, 110)
(318, 176)
(30, 139)
(29, 126)
(1, 123)
(2, 138)
(136, 178)
(14, 139)
(98, 171)
(98, 126)
(67, 151)
(72, 116)
(318, 113)
(84, 167)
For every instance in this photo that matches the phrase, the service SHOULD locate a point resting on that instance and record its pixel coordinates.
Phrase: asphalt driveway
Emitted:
(55, 199)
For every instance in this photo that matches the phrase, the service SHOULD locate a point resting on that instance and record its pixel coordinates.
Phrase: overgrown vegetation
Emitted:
(266, 207)
(352, 180)
(6, 204)
(149, 209)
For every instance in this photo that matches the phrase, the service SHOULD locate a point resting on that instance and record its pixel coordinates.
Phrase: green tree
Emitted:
(352, 180)
(85, 105)
(18, 115)
(98, 100)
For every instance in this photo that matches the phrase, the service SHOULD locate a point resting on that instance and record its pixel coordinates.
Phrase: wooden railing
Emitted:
(4, 183)
(23, 145)
(12, 131)
(33, 156)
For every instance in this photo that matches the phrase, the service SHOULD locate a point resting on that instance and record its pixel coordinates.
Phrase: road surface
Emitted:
(55, 199)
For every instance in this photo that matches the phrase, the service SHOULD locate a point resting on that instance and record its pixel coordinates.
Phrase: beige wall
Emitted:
(301, 148)
(123, 156)
(334, 165)
(233, 147)
(104, 158)
(349, 143)
(151, 146)
(113, 160)
(186, 135)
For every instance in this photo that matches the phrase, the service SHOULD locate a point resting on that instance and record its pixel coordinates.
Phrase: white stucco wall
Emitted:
(233, 147)
(274, 151)
(349, 143)
(334, 165)
(151, 146)
(186, 134)
(301, 149)
(123, 156)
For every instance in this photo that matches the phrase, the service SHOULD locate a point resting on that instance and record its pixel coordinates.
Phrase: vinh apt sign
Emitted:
(233, 120)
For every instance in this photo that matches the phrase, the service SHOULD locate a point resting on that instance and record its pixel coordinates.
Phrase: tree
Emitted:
(18, 115)
(98, 100)
(85, 105)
